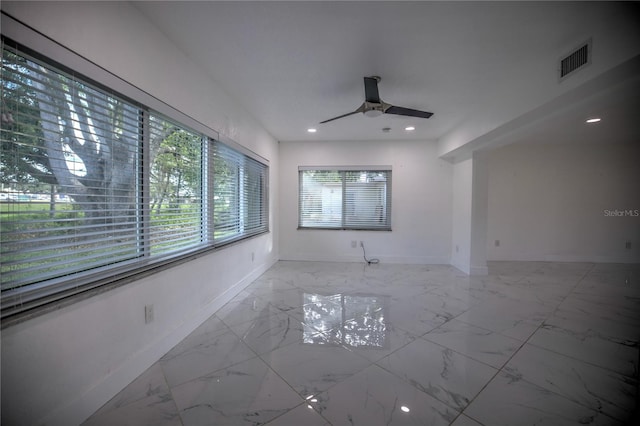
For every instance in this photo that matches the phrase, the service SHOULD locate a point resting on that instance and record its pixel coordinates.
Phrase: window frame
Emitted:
(33, 299)
(342, 171)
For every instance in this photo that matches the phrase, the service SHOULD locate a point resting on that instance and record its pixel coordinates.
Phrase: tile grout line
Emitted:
(521, 346)
(488, 381)
(173, 398)
(584, 275)
(592, 266)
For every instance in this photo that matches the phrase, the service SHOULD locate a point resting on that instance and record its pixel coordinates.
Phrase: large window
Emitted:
(335, 198)
(240, 195)
(175, 198)
(94, 186)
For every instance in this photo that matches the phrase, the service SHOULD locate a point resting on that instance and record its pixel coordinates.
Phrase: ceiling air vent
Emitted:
(575, 60)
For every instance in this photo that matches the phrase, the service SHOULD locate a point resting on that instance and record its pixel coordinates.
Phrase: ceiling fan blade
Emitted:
(361, 109)
(407, 111)
(371, 90)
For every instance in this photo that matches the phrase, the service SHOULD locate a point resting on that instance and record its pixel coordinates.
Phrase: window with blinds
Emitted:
(95, 187)
(344, 199)
(70, 167)
(239, 195)
(175, 187)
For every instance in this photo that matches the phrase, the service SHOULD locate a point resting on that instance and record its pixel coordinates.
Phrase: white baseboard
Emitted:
(520, 257)
(84, 406)
(479, 270)
(460, 267)
(408, 260)
(470, 269)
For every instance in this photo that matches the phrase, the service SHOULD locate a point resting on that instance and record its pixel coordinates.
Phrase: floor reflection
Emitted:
(345, 319)
(529, 344)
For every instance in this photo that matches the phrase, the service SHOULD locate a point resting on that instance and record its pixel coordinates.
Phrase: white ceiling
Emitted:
(475, 65)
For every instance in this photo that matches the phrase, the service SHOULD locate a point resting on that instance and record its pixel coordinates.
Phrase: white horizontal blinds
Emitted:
(239, 195)
(70, 162)
(227, 165)
(320, 198)
(254, 199)
(344, 199)
(175, 187)
(367, 199)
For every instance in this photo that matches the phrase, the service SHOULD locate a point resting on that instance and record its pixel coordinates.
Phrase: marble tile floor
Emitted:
(316, 343)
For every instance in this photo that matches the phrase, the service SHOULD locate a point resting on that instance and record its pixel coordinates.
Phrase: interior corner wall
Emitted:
(564, 202)
(479, 212)
(421, 203)
(58, 368)
(462, 189)
(469, 229)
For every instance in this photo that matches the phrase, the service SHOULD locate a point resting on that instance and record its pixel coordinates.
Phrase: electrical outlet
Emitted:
(354, 244)
(148, 314)
(497, 243)
(253, 256)
(627, 245)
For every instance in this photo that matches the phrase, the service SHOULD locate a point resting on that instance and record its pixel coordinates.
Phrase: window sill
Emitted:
(310, 228)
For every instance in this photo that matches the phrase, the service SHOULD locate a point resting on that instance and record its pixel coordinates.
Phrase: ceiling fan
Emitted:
(373, 106)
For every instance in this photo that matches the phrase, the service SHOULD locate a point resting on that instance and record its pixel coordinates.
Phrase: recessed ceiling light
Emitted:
(593, 120)
(312, 130)
(405, 408)
(409, 128)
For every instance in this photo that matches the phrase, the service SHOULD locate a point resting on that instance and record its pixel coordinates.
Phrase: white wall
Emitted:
(547, 202)
(58, 368)
(421, 203)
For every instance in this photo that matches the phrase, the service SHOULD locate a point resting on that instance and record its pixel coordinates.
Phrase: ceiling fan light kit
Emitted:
(373, 112)
(373, 106)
